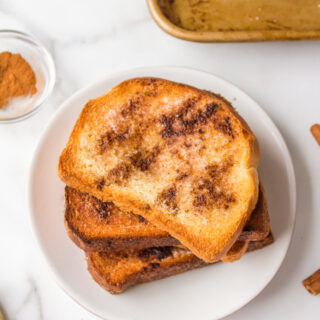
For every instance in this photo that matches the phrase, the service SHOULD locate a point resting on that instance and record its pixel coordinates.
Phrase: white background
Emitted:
(89, 39)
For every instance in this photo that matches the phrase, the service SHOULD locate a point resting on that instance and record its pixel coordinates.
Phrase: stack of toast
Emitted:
(161, 178)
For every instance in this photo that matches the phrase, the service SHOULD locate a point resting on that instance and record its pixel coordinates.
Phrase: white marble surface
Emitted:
(89, 39)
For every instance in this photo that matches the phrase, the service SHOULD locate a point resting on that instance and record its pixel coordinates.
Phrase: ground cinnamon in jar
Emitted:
(16, 77)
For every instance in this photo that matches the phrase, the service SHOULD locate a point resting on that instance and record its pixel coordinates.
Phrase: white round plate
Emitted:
(208, 293)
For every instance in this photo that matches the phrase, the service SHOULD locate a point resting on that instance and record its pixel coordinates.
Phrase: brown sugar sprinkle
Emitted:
(315, 130)
(141, 219)
(120, 174)
(151, 266)
(143, 161)
(100, 184)
(182, 176)
(16, 77)
(168, 197)
(312, 283)
(103, 209)
(154, 253)
(183, 123)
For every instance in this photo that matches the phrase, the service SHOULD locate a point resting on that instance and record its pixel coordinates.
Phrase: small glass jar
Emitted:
(41, 62)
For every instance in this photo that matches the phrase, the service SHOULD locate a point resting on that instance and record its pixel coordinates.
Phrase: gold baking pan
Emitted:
(238, 20)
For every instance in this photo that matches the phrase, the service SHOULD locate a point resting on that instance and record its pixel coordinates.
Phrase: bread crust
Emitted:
(258, 226)
(203, 247)
(236, 252)
(145, 272)
(117, 243)
(141, 276)
(255, 245)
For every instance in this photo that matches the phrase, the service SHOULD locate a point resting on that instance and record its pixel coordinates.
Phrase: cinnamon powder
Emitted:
(16, 77)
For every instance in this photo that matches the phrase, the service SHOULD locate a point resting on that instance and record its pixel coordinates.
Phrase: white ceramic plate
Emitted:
(208, 293)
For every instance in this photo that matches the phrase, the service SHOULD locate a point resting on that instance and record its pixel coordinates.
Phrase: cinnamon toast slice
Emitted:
(96, 226)
(178, 156)
(118, 270)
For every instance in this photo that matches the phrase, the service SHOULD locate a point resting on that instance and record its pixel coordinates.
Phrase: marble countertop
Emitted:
(89, 39)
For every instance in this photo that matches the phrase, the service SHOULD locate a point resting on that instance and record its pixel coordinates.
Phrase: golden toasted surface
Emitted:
(119, 267)
(104, 219)
(118, 270)
(100, 226)
(180, 157)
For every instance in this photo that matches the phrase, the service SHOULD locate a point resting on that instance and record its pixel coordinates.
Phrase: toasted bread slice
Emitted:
(94, 225)
(258, 226)
(118, 270)
(254, 245)
(178, 156)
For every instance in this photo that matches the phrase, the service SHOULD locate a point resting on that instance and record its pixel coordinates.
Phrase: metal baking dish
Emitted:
(233, 35)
